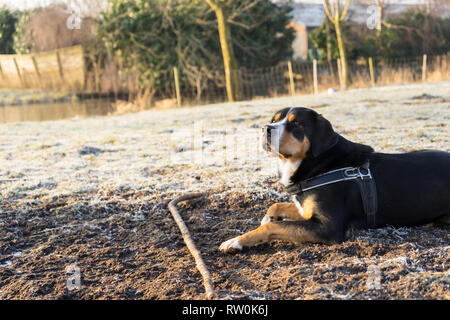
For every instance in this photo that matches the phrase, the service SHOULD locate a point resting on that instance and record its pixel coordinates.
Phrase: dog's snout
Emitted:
(268, 129)
(269, 132)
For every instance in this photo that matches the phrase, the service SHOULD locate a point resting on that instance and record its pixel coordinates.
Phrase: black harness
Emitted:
(361, 175)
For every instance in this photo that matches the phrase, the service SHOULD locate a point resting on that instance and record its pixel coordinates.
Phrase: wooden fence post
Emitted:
(1, 72)
(291, 78)
(18, 72)
(372, 78)
(36, 68)
(316, 87)
(177, 85)
(424, 68)
(444, 65)
(60, 67)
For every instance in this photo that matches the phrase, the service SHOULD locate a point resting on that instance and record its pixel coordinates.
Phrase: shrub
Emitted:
(8, 22)
(150, 37)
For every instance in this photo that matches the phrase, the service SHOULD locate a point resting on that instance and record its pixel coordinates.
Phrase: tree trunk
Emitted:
(335, 15)
(428, 7)
(329, 57)
(380, 18)
(233, 85)
(342, 54)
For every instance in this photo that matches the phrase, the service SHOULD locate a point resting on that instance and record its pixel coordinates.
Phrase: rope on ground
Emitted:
(207, 282)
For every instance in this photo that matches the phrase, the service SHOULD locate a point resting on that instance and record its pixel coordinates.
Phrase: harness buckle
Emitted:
(351, 172)
(363, 173)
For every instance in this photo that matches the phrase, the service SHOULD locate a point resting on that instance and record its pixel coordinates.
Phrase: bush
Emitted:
(150, 37)
(22, 41)
(414, 33)
(46, 29)
(8, 22)
(410, 34)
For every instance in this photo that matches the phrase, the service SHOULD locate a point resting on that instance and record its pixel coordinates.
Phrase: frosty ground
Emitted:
(93, 193)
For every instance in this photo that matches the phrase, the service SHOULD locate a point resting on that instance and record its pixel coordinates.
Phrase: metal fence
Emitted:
(66, 69)
(298, 77)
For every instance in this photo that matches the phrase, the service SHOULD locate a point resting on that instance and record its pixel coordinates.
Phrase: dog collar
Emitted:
(361, 175)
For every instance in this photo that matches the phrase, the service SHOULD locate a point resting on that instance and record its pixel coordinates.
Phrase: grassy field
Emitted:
(93, 193)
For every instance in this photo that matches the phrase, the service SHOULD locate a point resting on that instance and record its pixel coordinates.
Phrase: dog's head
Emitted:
(295, 133)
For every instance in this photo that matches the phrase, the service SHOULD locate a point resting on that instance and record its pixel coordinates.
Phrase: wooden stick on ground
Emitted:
(207, 282)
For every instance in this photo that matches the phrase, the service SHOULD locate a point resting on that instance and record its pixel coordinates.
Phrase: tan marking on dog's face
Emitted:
(277, 117)
(291, 117)
(294, 149)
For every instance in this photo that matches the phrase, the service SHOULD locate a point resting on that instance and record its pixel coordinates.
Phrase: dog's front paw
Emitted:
(230, 245)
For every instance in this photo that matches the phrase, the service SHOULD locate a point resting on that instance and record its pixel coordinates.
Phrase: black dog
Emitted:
(337, 183)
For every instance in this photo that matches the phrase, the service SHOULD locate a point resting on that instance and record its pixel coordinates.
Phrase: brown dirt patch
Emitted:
(128, 247)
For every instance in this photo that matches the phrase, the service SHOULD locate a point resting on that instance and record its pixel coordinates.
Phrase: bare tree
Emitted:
(233, 85)
(47, 29)
(329, 57)
(445, 3)
(87, 8)
(336, 16)
(380, 16)
(428, 7)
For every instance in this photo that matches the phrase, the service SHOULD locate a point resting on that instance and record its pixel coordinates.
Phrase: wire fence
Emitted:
(109, 80)
(281, 80)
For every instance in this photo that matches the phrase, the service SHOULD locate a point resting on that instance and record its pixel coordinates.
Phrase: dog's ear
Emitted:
(323, 136)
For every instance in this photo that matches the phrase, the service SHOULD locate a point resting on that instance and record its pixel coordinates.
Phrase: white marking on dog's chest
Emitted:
(298, 205)
(287, 169)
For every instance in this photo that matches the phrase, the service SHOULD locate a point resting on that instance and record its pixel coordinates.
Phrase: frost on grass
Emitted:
(95, 192)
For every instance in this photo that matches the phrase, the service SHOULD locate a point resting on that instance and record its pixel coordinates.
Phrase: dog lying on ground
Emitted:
(336, 184)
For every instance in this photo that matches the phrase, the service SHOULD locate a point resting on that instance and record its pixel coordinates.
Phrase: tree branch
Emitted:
(326, 7)
(201, 266)
(344, 12)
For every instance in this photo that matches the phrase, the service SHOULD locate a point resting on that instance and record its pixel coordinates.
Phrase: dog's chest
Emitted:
(306, 206)
(286, 170)
(298, 204)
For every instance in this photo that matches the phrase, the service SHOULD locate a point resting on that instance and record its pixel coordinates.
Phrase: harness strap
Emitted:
(361, 175)
(368, 190)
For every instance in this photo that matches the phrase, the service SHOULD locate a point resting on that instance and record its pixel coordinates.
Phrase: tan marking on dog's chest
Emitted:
(307, 207)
